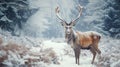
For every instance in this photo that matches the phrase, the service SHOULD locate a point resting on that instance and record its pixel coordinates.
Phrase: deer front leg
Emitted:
(78, 54)
(75, 55)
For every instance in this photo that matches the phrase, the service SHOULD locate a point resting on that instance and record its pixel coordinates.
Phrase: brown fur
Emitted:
(87, 40)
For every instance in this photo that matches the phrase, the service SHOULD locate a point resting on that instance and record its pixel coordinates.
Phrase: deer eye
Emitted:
(66, 27)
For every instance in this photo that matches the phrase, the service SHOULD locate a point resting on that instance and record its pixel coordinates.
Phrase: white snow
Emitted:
(116, 64)
(108, 46)
(57, 47)
(66, 60)
(70, 62)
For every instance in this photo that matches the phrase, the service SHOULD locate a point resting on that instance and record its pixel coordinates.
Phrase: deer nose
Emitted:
(68, 31)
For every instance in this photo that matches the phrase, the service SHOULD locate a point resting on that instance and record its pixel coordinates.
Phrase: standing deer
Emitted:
(80, 40)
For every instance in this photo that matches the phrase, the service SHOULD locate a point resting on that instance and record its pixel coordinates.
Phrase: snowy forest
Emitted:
(32, 36)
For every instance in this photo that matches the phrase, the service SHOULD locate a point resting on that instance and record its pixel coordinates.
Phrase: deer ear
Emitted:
(62, 23)
(72, 24)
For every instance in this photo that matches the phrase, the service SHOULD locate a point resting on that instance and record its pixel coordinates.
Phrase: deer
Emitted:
(80, 40)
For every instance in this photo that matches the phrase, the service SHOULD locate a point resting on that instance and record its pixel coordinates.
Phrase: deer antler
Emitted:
(80, 13)
(57, 14)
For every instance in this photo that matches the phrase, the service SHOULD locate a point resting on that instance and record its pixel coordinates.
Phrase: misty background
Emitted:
(31, 35)
(36, 18)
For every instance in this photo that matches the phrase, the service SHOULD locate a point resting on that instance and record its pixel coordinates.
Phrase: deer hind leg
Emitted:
(95, 46)
(94, 54)
(97, 49)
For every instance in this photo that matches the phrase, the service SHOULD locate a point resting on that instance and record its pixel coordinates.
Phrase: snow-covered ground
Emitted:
(70, 62)
(110, 56)
(64, 59)
(15, 51)
(67, 60)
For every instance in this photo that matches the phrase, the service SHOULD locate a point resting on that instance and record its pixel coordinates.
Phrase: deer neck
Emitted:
(70, 37)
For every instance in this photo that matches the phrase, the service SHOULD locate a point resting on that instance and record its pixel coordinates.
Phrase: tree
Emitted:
(112, 18)
(14, 13)
(104, 16)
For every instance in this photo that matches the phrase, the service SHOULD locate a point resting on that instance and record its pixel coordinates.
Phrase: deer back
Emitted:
(85, 39)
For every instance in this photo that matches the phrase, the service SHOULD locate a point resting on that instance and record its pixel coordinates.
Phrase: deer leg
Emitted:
(96, 48)
(94, 54)
(78, 55)
(75, 55)
(99, 52)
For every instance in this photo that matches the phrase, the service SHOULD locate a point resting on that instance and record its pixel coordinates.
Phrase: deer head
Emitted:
(68, 26)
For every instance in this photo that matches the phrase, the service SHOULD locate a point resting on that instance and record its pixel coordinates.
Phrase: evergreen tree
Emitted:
(104, 16)
(112, 18)
(14, 13)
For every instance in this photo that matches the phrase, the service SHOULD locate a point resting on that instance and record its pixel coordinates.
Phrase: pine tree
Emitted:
(112, 18)
(14, 13)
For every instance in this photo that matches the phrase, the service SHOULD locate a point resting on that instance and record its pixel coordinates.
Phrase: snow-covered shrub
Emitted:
(12, 53)
(3, 56)
(110, 53)
(49, 56)
(58, 40)
(116, 64)
(68, 50)
(15, 51)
